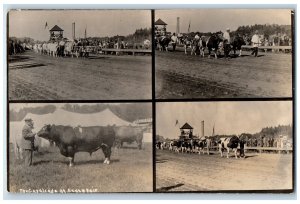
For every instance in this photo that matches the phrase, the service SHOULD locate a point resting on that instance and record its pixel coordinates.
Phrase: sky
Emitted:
(227, 117)
(98, 23)
(212, 20)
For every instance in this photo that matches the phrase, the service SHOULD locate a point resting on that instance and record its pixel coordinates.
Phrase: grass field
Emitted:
(185, 76)
(194, 172)
(38, 77)
(131, 170)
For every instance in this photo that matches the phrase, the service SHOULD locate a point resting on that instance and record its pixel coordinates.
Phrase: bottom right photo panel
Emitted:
(224, 146)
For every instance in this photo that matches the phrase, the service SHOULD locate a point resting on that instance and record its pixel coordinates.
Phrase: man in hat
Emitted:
(255, 43)
(28, 141)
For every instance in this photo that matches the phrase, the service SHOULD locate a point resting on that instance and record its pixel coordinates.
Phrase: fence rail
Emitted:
(133, 51)
(259, 149)
(270, 47)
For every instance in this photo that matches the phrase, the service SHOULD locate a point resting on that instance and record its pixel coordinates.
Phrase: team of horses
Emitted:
(215, 44)
(203, 145)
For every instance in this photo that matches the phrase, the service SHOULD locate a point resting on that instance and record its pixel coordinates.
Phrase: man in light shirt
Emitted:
(255, 43)
(226, 36)
(226, 43)
(174, 41)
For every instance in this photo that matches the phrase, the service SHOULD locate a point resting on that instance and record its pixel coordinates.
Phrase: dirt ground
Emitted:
(131, 170)
(194, 172)
(185, 76)
(103, 77)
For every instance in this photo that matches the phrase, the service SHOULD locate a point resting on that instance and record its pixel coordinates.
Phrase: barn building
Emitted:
(160, 27)
(56, 33)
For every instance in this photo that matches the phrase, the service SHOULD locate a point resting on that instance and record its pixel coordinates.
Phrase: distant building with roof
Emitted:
(160, 27)
(56, 33)
(186, 132)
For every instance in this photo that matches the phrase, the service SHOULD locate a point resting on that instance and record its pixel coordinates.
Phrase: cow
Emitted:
(227, 144)
(213, 43)
(71, 140)
(147, 44)
(53, 49)
(129, 134)
(69, 48)
(160, 145)
(189, 42)
(237, 44)
(163, 42)
(199, 145)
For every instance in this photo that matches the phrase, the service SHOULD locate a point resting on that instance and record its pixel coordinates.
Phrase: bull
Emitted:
(71, 140)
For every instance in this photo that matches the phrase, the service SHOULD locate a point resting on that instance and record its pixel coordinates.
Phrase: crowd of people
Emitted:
(278, 142)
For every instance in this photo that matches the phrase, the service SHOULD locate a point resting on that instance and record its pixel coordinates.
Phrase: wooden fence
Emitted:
(282, 48)
(133, 51)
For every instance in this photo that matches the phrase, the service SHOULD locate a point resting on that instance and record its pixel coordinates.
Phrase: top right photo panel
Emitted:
(223, 53)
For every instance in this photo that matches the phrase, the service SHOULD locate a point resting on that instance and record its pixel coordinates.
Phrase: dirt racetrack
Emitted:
(193, 172)
(130, 171)
(185, 76)
(103, 77)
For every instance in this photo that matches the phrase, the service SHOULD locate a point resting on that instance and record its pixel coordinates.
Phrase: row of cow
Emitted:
(63, 49)
(215, 44)
(78, 49)
(71, 140)
(203, 145)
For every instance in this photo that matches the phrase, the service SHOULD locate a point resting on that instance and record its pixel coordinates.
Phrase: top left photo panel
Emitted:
(79, 55)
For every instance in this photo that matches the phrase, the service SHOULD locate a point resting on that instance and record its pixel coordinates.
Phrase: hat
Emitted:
(28, 119)
(256, 32)
(227, 29)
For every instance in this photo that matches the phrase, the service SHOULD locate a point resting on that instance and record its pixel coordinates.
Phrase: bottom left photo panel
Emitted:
(80, 147)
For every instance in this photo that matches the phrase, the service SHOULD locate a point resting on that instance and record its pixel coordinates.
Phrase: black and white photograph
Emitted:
(79, 54)
(80, 147)
(224, 146)
(223, 53)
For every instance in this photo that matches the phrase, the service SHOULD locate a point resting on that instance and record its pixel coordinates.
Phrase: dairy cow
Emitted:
(227, 144)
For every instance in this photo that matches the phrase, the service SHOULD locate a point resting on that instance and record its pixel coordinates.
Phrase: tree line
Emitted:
(128, 112)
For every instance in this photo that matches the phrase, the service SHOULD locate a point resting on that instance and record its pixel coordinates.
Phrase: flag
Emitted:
(46, 25)
(189, 27)
(176, 122)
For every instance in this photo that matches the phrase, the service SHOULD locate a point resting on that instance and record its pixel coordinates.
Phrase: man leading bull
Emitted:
(28, 141)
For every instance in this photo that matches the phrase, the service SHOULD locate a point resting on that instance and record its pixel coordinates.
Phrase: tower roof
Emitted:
(56, 28)
(186, 126)
(160, 22)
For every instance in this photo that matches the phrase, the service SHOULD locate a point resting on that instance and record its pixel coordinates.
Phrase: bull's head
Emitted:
(45, 132)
